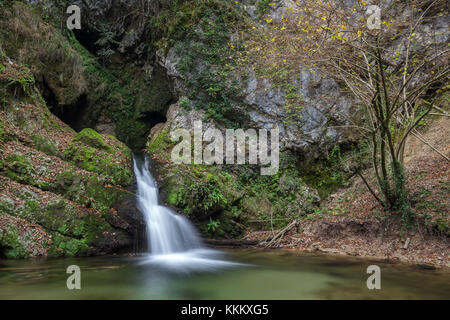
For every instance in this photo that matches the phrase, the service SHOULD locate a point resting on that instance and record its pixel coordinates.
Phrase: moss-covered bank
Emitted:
(58, 187)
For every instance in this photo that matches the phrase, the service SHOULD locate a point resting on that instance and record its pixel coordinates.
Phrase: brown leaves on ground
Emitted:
(352, 222)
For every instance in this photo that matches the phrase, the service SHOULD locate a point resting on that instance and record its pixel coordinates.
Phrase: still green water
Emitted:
(266, 275)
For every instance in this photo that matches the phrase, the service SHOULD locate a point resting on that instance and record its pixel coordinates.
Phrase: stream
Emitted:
(257, 275)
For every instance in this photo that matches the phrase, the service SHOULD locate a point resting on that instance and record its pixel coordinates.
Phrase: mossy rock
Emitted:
(2, 131)
(88, 190)
(61, 216)
(161, 144)
(11, 243)
(67, 246)
(93, 139)
(18, 168)
(226, 226)
(200, 191)
(90, 152)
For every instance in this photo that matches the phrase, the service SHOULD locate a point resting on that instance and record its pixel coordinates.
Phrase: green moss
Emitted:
(67, 246)
(19, 169)
(92, 138)
(90, 191)
(5, 135)
(202, 31)
(82, 154)
(17, 83)
(263, 7)
(2, 130)
(324, 179)
(326, 174)
(63, 217)
(11, 243)
(201, 192)
(161, 144)
(6, 205)
(222, 226)
(74, 230)
(104, 196)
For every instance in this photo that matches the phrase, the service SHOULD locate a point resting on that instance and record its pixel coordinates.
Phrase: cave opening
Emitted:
(146, 121)
(72, 114)
(151, 99)
(88, 39)
(152, 118)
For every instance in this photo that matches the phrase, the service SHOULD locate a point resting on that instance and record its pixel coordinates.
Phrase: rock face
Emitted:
(58, 188)
(140, 66)
(261, 103)
(103, 76)
(308, 131)
(187, 76)
(304, 128)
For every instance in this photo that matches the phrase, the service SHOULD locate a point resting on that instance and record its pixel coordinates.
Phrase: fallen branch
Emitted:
(280, 234)
(441, 110)
(439, 114)
(265, 220)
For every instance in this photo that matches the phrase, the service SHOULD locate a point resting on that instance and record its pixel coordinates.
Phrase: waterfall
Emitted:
(167, 231)
(172, 239)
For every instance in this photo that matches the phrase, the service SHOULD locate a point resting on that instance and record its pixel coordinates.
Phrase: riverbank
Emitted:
(363, 238)
(352, 223)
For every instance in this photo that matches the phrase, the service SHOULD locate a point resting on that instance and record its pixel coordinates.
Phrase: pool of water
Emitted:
(247, 274)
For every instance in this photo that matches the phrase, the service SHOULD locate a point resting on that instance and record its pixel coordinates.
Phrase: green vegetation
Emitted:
(16, 83)
(223, 193)
(93, 139)
(93, 160)
(200, 33)
(263, 7)
(326, 175)
(10, 240)
(19, 169)
(275, 200)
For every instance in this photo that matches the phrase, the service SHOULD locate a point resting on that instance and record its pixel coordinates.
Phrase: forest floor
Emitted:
(352, 222)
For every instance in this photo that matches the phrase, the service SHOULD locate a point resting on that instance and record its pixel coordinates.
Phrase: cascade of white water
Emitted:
(167, 231)
(172, 239)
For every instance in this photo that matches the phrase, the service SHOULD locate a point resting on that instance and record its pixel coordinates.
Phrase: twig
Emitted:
(440, 114)
(440, 109)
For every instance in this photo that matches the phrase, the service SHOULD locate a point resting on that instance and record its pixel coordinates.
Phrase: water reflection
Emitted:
(252, 275)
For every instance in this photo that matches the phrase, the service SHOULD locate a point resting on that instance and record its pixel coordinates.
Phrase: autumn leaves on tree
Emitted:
(394, 71)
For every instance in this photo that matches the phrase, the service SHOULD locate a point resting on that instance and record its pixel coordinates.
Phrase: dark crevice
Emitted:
(72, 114)
(152, 118)
(148, 121)
(88, 39)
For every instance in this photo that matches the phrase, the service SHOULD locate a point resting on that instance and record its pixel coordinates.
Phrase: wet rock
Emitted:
(130, 219)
